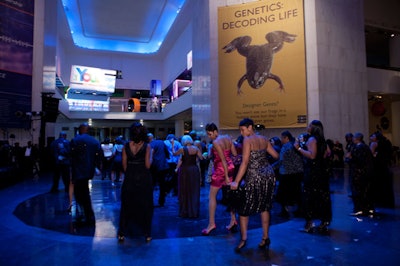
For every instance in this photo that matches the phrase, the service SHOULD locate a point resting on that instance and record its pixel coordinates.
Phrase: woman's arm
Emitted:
(311, 151)
(373, 147)
(328, 152)
(233, 149)
(178, 164)
(148, 159)
(217, 147)
(178, 152)
(199, 154)
(124, 159)
(243, 165)
(272, 151)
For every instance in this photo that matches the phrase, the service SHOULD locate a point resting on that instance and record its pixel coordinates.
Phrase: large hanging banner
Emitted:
(262, 65)
(16, 53)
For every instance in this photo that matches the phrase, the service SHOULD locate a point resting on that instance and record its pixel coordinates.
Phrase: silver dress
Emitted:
(258, 184)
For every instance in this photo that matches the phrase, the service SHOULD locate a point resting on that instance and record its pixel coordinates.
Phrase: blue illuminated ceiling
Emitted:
(133, 26)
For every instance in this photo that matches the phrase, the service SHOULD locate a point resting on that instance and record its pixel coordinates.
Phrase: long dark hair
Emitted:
(317, 131)
(286, 133)
(138, 132)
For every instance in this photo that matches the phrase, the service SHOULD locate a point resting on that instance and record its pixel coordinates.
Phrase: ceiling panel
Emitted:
(133, 26)
(134, 21)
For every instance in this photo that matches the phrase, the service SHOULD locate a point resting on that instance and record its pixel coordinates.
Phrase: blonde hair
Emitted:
(186, 139)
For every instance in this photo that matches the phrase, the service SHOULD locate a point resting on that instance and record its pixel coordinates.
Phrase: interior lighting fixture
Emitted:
(72, 9)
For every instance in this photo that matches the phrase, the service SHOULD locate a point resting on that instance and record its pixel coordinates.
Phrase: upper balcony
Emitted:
(180, 107)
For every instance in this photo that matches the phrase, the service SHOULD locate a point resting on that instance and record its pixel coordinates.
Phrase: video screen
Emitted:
(90, 88)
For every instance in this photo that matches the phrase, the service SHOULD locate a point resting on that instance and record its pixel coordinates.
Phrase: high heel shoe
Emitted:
(323, 228)
(206, 232)
(232, 228)
(121, 238)
(241, 245)
(265, 242)
(309, 227)
(69, 210)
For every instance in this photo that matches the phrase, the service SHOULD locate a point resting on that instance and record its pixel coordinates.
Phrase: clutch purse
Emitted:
(235, 197)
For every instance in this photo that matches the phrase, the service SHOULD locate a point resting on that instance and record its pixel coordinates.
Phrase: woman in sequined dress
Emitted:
(257, 178)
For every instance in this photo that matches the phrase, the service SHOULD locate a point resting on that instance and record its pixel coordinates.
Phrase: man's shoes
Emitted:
(308, 227)
(370, 213)
(323, 228)
(357, 213)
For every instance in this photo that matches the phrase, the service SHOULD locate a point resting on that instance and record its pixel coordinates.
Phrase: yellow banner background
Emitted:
(267, 105)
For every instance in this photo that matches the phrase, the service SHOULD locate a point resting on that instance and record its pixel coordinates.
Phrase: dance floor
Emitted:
(36, 229)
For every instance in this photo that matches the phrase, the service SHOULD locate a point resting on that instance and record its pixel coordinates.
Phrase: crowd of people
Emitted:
(252, 171)
(250, 168)
(20, 162)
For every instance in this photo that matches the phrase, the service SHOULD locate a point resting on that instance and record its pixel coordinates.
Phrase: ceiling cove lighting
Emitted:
(167, 18)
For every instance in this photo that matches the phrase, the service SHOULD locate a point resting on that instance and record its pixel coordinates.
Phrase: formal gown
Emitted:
(136, 195)
(316, 191)
(258, 185)
(362, 169)
(189, 186)
(218, 176)
(382, 181)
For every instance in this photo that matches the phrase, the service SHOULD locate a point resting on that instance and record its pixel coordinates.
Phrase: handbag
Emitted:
(233, 198)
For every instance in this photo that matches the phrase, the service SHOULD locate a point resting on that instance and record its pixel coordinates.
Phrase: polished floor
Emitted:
(36, 229)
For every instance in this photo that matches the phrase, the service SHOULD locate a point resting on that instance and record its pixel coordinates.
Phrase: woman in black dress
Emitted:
(316, 192)
(382, 181)
(189, 179)
(137, 187)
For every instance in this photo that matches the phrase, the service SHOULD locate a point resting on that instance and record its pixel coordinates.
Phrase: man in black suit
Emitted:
(61, 152)
(85, 159)
(30, 156)
(159, 167)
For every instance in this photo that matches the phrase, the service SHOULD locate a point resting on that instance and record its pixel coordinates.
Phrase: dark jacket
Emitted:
(61, 151)
(160, 155)
(85, 156)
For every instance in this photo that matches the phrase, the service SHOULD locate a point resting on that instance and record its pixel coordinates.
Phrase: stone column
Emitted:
(179, 128)
(394, 51)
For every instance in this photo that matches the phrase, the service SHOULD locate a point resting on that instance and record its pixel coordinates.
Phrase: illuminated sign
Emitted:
(90, 88)
(97, 79)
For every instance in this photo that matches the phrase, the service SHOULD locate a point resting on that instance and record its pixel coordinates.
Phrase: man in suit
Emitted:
(159, 167)
(61, 152)
(30, 156)
(85, 159)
